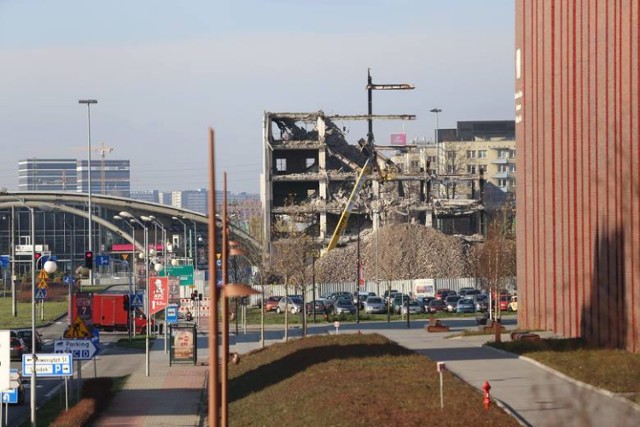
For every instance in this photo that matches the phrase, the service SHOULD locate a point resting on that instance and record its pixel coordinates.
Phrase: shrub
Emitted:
(96, 394)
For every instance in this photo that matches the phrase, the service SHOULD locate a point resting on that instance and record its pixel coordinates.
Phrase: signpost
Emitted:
(102, 260)
(80, 349)
(48, 365)
(136, 300)
(184, 272)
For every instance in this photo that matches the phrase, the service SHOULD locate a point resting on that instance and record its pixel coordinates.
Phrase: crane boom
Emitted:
(344, 217)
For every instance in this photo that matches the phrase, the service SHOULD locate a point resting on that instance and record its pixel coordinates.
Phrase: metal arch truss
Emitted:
(63, 201)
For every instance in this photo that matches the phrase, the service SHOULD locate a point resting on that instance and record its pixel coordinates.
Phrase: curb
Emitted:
(565, 377)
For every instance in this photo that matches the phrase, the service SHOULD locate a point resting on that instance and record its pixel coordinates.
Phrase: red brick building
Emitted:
(578, 189)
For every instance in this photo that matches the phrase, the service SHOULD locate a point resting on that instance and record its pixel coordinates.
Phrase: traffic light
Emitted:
(88, 259)
(36, 257)
(125, 303)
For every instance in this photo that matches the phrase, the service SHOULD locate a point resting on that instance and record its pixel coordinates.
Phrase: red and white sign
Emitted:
(399, 138)
(158, 294)
(360, 274)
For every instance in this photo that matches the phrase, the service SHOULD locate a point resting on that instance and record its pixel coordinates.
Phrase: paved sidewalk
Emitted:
(171, 396)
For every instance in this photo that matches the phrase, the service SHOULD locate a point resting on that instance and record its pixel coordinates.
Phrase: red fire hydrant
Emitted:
(487, 397)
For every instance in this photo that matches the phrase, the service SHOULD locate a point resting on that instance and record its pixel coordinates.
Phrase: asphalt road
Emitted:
(107, 360)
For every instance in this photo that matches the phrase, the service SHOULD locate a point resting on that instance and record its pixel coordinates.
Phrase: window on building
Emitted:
(503, 168)
(482, 154)
(471, 154)
(281, 165)
(431, 159)
(513, 154)
(451, 168)
(451, 154)
(503, 183)
(482, 168)
(512, 168)
(471, 169)
(503, 154)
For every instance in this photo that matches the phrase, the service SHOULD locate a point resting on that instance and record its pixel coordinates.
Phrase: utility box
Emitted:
(183, 343)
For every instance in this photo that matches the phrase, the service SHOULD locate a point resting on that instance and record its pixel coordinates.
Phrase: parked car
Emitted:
(397, 302)
(452, 302)
(293, 304)
(504, 302)
(387, 295)
(271, 303)
(463, 291)
(344, 306)
(513, 304)
(466, 305)
(316, 306)
(26, 336)
(482, 302)
(18, 348)
(332, 297)
(424, 302)
(444, 293)
(412, 306)
(437, 305)
(374, 305)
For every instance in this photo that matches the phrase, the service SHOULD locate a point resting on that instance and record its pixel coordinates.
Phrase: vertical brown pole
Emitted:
(225, 307)
(214, 380)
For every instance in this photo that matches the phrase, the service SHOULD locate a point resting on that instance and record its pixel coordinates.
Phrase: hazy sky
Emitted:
(164, 71)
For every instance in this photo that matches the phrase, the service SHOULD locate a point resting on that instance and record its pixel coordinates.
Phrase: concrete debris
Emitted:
(402, 251)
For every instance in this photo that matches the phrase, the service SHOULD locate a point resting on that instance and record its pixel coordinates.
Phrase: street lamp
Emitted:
(145, 255)
(88, 102)
(184, 228)
(130, 264)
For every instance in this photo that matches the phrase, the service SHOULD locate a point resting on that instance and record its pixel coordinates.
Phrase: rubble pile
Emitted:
(404, 251)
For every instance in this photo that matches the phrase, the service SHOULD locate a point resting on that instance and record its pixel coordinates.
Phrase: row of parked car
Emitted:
(468, 300)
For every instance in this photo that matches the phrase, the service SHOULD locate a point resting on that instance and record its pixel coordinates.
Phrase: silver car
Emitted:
(374, 305)
(414, 308)
(293, 304)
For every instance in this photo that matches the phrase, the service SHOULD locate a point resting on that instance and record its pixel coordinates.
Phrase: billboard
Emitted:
(399, 138)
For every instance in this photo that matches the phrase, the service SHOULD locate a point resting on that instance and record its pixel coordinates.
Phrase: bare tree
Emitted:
(454, 163)
(495, 259)
(290, 258)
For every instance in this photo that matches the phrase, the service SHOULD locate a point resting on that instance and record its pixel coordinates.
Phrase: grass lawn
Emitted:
(54, 307)
(346, 380)
(614, 370)
(52, 311)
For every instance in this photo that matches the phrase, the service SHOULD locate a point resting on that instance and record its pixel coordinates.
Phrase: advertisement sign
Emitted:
(399, 138)
(183, 347)
(424, 287)
(174, 290)
(158, 294)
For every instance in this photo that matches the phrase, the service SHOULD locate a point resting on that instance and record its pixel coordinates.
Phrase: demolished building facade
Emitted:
(310, 170)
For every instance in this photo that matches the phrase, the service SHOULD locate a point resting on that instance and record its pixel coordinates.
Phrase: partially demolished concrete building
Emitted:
(310, 171)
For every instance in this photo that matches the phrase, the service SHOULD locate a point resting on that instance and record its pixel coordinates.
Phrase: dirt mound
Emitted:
(402, 251)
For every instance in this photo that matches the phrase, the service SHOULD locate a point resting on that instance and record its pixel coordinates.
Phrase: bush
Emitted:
(96, 394)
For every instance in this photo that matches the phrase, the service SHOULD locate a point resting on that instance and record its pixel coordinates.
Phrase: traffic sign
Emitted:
(69, 279)
(78, 329)
(81, 349)
(102, 260)
(136, 300)
(171, 315)
(10, 396)
(4, 261)
(41, 293)
(43, 275)
(184, 272)
(43, 284)
(48, 365)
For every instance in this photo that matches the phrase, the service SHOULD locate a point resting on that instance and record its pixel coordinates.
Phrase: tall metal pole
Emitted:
(370, 107)
(14, 306)
(88, 102)
(33, 386)
(437, 138)
(224, 375)
(214, 377)
(358, 273)
(146, 281)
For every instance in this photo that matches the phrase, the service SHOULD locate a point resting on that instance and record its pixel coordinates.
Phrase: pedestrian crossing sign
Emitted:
(78, 329)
